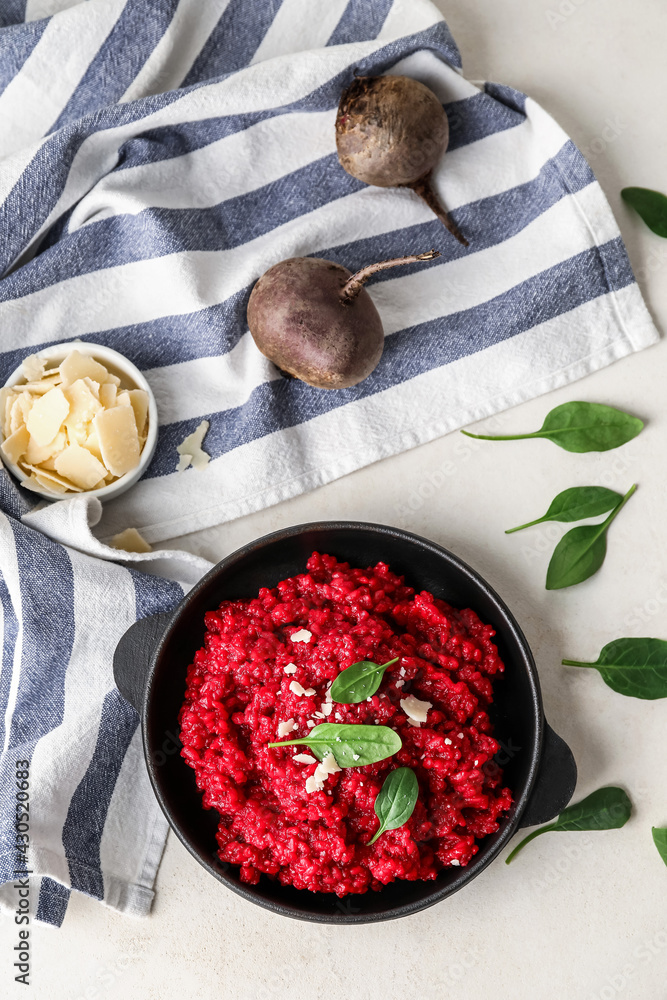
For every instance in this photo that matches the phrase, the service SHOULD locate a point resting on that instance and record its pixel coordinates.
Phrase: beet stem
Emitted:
(423, 188)
(355, 282)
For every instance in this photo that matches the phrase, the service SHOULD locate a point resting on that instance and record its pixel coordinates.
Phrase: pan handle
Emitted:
(133, 656)
(556, 779)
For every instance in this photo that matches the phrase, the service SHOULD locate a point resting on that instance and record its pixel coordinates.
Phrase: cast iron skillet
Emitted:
(151, 659)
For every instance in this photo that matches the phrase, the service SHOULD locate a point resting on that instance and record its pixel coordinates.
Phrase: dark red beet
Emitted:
(316, 321)
(390, 132)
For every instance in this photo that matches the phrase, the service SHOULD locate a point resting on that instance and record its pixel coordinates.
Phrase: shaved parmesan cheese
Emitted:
(326, 767)
(116, 431)
(326, 707)
(303, 635)
(51, 481)
(191, 447)
(19, 411)
(300, 691)
(83, 406)
(62, 447)
(43, 386)
(285, 728)
(33, 367)
(46, 416)
(93, 445)
(415, 709)
(131, 541)
(16, 445)
(303, 758)
(79, 466)
(139, 403)
(6, 401)
(38, 455)
(107, 395)
(290, 668)
(329, 765)
(77, 366)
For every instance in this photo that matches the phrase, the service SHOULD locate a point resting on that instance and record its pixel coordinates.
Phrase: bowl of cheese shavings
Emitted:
(77, 418)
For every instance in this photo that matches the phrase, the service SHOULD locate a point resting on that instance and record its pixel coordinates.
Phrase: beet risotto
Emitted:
(264, 675)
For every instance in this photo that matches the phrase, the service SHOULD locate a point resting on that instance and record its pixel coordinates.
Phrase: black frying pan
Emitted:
(150, 664)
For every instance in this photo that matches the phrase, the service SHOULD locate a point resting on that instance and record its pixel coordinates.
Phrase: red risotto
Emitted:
(264, 675)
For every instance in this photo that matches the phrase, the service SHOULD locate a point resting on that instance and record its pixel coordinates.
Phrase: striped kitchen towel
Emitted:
(154, 168)
(76, 806)
(156, 156)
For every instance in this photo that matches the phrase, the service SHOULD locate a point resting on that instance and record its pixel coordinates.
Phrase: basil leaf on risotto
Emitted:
(351, 745)
(396, 800)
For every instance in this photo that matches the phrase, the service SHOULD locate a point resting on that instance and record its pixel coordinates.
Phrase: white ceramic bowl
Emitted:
(132, 378)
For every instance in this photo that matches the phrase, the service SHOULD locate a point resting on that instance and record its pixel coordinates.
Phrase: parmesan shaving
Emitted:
(415, 709)
(116, 431)
(303, 635)
(285, 728)
(46, 416)
(16, 445)
(131, 541)
(33, 367)
(79, 466)
(77, 366)
(191, 451)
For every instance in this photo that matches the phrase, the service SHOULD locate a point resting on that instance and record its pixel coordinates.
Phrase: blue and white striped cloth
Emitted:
(156, 156)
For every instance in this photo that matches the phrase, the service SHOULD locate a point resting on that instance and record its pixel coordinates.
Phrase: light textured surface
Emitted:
(577, 915)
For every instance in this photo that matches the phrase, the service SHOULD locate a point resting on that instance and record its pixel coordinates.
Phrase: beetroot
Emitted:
(390, 132)
(316, 321)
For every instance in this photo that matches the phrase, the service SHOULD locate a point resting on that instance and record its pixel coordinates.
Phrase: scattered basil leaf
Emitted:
(576, 504)
(580, 553)
(660, 841)
(634, 667)
(396, 800)
(352, 745)
(650, 205)
(579, 427)
(359, 681)
(605, 809)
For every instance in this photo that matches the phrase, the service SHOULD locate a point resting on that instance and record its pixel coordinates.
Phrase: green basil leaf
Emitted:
(650, 205)
(576, 504)
(580, 427)
(634, 667)
(396, 800)
(352, 745)
(359, 681)
(605, 809)
(581, 552)
(660, 840)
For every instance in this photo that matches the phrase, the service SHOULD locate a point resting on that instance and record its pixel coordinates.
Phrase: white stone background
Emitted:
(577, 916)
